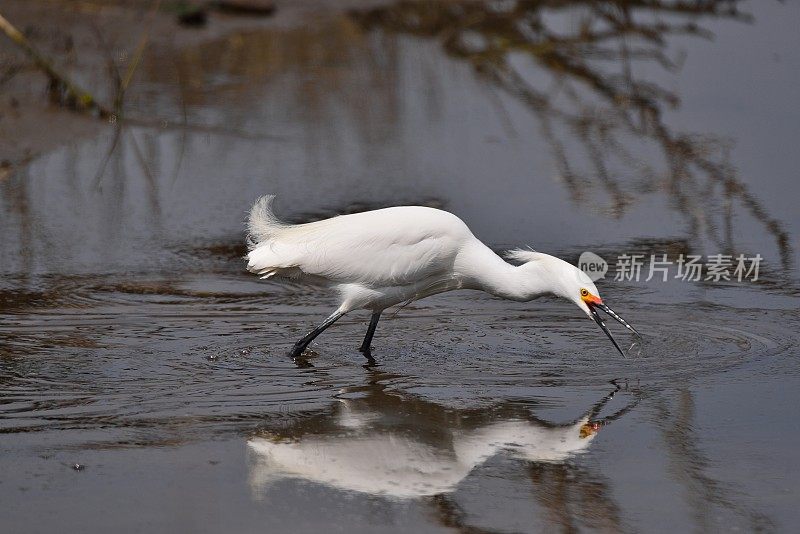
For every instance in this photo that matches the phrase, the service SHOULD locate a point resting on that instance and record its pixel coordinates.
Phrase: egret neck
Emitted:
(482, 269)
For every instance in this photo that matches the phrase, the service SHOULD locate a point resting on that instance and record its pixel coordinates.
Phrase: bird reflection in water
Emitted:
(398, 445)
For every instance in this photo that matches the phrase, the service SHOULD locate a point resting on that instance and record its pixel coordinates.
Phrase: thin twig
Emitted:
(76, 97)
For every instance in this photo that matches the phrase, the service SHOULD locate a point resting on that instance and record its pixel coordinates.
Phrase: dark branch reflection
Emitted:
(575, 498)
(574, 64)
(689, 466)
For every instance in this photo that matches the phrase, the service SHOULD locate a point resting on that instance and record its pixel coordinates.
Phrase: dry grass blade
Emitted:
(75, 97)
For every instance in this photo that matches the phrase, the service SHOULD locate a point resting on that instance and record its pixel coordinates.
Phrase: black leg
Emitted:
(373, 324)
(301, 345)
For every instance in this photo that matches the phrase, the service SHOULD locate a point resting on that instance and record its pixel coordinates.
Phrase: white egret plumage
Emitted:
(399, 465)
(391, 443)
(380, 258)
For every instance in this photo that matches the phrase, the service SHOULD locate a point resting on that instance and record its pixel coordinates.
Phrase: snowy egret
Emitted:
(380, 258)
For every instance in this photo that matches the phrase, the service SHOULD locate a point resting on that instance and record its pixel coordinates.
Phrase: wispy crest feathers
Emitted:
(523, 255)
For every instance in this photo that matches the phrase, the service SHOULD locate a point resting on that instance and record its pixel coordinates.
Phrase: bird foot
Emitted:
(367, 352)
(302, 363)
(300, 355)
(299, 351)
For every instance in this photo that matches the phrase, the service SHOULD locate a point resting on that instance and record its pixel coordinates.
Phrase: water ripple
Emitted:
(208, 358)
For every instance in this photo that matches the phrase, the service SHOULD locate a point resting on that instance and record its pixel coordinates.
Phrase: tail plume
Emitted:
(262, 224)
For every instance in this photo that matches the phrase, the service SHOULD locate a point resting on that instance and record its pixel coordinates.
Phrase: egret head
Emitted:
(584, 294)
(563, 279)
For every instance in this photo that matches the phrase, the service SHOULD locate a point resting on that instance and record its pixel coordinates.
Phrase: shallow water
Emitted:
(145, 383)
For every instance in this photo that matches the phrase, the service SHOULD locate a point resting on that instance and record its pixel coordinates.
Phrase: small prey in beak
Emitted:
(593, 302)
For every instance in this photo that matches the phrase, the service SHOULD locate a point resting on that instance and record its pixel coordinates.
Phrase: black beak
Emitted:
(619, 319)
(603, 326)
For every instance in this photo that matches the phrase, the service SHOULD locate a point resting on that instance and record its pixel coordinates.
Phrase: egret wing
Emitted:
(391, 247)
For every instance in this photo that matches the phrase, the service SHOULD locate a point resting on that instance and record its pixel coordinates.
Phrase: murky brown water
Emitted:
(143, 377)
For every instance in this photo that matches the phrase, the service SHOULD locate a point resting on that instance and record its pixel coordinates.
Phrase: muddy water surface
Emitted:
(143, 377)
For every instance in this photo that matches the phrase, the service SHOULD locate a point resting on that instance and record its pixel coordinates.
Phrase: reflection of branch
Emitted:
(98, 177)
(690, 466)
(151, 179)
(573, 497)
(184, 134)
(600, 108)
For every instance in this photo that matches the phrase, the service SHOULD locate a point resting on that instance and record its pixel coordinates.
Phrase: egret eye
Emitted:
(584, 293)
